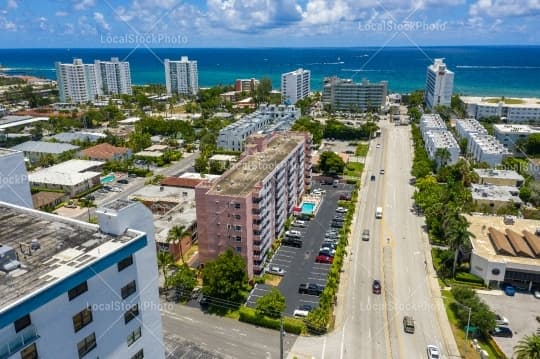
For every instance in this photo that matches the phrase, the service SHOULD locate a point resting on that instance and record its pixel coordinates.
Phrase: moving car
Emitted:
(376, 287)
(341, 210)
(501, 332)
(378, 145)
(324, 259)
(373, 177)
(311, 289)
(381, 172)
(276, 270)
(433, 352)
(302, 311)
(408, 324)
(378, 213)
(500, 320)
(365, 235)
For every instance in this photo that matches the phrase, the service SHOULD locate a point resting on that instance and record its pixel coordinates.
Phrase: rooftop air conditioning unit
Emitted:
(510, 220)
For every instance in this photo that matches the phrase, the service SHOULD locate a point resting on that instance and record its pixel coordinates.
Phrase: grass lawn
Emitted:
(362, 149)
(508, 101)
(353, 169)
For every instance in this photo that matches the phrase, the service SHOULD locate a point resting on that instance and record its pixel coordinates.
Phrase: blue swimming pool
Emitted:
(108, 178)
(308, 207)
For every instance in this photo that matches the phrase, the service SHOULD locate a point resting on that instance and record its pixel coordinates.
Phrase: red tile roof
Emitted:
(104, 151)
(181, 182)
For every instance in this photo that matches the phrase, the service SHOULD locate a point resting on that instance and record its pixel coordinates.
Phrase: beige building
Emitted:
(495, 197)
(499, 177)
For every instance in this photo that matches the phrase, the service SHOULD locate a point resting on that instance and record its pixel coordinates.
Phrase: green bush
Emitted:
(290, 325)
(468, 278)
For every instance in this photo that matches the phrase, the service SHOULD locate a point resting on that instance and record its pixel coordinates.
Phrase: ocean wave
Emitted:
(497, 67)
(25, 69)
(362, 70)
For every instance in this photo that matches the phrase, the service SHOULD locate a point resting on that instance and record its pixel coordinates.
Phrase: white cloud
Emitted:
(61, 13)
(84, 27)
(100, 20)
(84, 4)
(505, 8)
(7, 25)
(12, 4)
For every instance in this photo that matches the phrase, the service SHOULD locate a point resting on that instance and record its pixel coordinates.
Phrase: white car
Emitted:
(299, 223)
(536, 294)
(276, 270)
(341, 210)
(500, 320)
(378, 145)
(299, 313)
(293, 233)
(433, 352)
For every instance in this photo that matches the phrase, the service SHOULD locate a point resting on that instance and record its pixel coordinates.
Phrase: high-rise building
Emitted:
(80, 83)
(14, 184)
(295, 85)
(181, 76)
(246, 85)
(113, 77)
(72, 289)
(439, 84)
(246, 208)
(346, 95)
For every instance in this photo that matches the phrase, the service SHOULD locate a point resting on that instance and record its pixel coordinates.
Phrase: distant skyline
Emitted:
(263, 23)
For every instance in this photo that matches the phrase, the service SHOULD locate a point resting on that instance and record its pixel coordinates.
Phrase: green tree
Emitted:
(225, 277)
(139, 141)
(331, 164)
(317, 320)
(528, 347)
(165, 262)
(184, 279)
(201, 164)
(415, 99)
(272, 304)
(175, 236)
(457, 235)
(532, 146)
(308, 124)
(262, 93)
(442, 157)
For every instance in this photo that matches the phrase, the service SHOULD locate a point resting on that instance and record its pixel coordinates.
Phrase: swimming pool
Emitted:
(308, 207)
(108, 178)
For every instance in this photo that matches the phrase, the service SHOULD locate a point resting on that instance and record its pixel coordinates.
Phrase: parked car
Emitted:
(376, 287)
(536, 294)
(509, 290)
(331, 252)
(311, 289)
(500, 320)
(302, 311)
(408, 324)
(324, 259)
(123, 181)
(335, 183)
(276, 270)
(329, 244)
(132, 175)
(196, 292)
(107, 188)
(365, 235)
(345, 197)
(373, 177)
(381, 172)
(293, 233)
(299, 223)
(292, 241)
(433, 352)
(341, 210)
(336, 224)
(501, 332)
(378, 145)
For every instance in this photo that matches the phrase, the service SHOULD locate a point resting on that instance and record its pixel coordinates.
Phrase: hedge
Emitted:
(468, 278)
(290, 325)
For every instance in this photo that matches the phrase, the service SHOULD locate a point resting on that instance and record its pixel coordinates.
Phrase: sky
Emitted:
(266, 23)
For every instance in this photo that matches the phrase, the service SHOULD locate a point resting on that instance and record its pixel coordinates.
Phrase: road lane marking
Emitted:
(342, 349)
(323, 347)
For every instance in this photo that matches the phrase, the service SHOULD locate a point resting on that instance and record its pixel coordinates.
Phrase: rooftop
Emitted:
(489, 144)
(65, 246)
(432, 121)
(494, 173)
(510, 243)
(104, 151)
(7, 152)
(241, 178)
(223, 158)
(508, 102)
(520, 129)
(45, 147)
(14, 121)
(78, 136)
(496, 193)
(164, 193)
(471, 125)
(67, 173)
(442, 139)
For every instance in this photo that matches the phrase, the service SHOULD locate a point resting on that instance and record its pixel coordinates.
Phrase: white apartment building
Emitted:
(14, 186)
(528, 110)
(486, 148)
(510, 134)
(464, 127)
(113, 77)
(267, 118)
(442, 140)
(346, 95)
(182, 76)
(439, 84)
(81, 83)
(71, 289)
(295, 85)
(431, 122)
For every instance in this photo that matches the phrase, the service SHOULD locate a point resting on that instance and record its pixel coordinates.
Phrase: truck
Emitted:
(378, 213)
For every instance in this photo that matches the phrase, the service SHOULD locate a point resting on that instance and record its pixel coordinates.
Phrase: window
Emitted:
(22, 323)
(238, 238)
(238, 228)
(138, 355)
(133, 336)
(81, 319)
(86, 345)
(237, 205)
(239, 249)
(128, 289)
(78, 290)
(29, 352)
(124, 263)
(131, 313)
(237, 216)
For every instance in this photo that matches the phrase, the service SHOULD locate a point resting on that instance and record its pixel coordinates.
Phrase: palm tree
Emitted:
(457, 234)
(442, 156)
(165, 262)
(176, 234)
(528, 347)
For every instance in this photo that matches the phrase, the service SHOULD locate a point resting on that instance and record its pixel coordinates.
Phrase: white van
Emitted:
(378, 213)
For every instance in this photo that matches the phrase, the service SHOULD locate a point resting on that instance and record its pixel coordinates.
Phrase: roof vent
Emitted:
(8, 259)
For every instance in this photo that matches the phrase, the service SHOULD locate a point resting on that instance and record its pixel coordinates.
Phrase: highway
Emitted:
(370, 325)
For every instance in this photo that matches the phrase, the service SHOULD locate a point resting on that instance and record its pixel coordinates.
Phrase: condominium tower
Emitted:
(295, 85)
(181, 77)
(113, 77)
(439, 85)
(346, 95)
(246, 208)
(71, 289)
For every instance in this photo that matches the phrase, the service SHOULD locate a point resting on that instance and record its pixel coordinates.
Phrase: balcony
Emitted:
(11, 345)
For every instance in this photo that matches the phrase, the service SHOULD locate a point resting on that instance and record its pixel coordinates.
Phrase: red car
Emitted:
(324, 259)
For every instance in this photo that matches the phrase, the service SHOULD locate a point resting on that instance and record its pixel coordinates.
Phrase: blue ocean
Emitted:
(479, 70)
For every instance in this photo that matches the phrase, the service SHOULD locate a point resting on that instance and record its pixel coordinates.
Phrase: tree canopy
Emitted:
(225, 277)
(272, 304)
(331, 164)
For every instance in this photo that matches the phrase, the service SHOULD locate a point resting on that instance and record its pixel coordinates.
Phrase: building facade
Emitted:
(78, 290)
(76, 82)
(511, 134)
(295, 85)
(486, 148)
(439, 142)
(439, 85)
(113, 77)
(246, 85)
(464, 127)
(246, 208)
(267, 118)
(181, 77)
(14, 186)
(346, 95)
(430, 123)
(522, 110)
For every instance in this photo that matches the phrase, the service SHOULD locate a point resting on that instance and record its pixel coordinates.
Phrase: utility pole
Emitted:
(468, 323)
(281, 334)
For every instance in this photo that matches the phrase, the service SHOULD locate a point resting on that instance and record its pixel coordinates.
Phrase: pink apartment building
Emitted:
(246, 208)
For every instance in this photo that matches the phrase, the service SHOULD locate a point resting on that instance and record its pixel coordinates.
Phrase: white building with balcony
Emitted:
(439, 85)
(181, 77)
(295, 85)
(486, 148)
(464, 127)
(510, 134)
(442, 140)
(430, 123)
(522, 110)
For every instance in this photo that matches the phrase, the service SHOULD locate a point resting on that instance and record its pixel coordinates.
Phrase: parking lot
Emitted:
(520, 310)
(299, 263)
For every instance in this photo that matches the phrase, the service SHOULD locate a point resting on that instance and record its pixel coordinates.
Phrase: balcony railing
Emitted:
(11, 345)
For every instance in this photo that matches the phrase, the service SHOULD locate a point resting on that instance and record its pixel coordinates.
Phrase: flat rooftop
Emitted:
(165, 193)
(65, 246)
(519, 129)
(7, 152)
(240, 179)
(491, 101)
(497, 193)
(494, 173)
(483, 246)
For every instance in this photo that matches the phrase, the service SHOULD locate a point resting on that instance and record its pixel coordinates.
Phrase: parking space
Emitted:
(520, 310)
(258, 291)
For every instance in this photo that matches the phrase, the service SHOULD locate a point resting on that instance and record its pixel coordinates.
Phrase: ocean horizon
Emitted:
(512, 70)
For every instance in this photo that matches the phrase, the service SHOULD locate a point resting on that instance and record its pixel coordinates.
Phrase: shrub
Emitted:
(290, 325)
(468, 278)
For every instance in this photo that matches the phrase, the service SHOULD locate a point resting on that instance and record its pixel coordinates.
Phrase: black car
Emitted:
(123, 181)
(501, 332)
(373, 178)
(337, 224)
(310, 288)
(376, 287)
(291, 241)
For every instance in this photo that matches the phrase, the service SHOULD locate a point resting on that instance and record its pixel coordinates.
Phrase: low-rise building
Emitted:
(36, 150)
(68, 137)
(224, 161)
(346, 95)
(486, 148)
(431, 122)
(106, 152)
(437, 142)
(187, 179)
(521, 110)
(499, 177)
(15, 121)
(505, 251)
(464, 128)
(229, 96)
(14, 185)
(73, 177)
(494, 197)
(45, 200)
(510, 134)
(246, 85)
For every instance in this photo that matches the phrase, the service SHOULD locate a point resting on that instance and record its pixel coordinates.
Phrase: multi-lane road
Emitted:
(370, 325)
